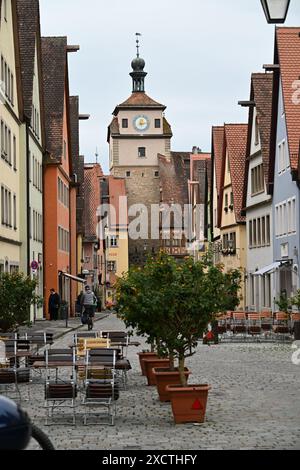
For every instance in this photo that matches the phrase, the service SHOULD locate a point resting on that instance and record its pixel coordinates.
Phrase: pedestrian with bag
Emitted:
(89, 302)
(54, 305)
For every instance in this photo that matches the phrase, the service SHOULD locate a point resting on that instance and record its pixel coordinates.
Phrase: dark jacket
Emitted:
(54, 302)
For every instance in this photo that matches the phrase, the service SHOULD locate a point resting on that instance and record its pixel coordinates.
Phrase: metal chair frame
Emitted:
(67, 399)
(104, 390)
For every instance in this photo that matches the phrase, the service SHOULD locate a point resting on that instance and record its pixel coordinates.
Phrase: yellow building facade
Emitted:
(11, 153)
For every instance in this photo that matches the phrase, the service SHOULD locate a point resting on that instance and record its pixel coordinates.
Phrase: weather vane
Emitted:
(138, 43)
(96, 154)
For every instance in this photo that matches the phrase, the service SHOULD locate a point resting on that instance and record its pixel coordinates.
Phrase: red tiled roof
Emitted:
(174, 175)
(261, 93)
(54, 62)
(117, 189)
(138, 99)
(236, 147)
(92, 199)
(28, 17)
(217, 153)
(288, 47)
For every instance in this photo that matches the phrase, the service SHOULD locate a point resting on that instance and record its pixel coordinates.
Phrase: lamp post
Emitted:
(275, 10)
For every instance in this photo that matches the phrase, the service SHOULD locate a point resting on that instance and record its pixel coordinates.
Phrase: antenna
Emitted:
(96, 154)
(138, 44)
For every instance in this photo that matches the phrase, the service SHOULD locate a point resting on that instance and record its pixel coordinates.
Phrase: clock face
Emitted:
(141, 123)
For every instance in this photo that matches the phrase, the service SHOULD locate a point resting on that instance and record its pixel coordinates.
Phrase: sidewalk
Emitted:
(58, 328)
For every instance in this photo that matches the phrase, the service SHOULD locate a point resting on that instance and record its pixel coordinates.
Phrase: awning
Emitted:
(73, 278)
(268, 269)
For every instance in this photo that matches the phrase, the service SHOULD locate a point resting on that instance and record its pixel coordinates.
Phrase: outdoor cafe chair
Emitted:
(254, 324)
(101, 392)
(60, 393)
(266, 321)
(281, 325)
(239, 324)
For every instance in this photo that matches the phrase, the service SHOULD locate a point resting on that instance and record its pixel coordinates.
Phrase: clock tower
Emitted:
(139, 132)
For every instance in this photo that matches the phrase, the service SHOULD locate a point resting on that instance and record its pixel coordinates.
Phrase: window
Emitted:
(231, 200)
(156, 174)
(15, 211)
(263, 231)
(114, 241)
(258, 232)
(125, 123)
(285, 218)
(63, 240)
(112, 266)
(226, 201)
(15, 153)
(257, 179)
(268, 230)
(142, 152)
(250, 234)
(157, 123)
(283, 160)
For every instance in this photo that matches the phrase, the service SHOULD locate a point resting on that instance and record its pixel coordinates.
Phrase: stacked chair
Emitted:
(60, 393)
(101, 388)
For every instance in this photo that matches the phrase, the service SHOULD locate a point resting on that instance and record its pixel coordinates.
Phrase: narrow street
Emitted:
(254, 404)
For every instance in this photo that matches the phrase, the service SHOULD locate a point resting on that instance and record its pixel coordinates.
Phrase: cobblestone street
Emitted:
(254, 404)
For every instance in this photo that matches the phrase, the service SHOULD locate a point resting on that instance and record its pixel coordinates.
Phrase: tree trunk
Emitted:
(172, 365)
(183, 379)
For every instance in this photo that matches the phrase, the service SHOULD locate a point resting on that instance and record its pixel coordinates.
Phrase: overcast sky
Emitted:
(199, 57)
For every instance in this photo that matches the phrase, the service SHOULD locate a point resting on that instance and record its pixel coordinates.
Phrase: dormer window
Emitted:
(142, 152)
(125, 123)
(157, 123)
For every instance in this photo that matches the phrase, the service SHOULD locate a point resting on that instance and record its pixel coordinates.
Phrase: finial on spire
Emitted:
(96, 154)
(138, 44)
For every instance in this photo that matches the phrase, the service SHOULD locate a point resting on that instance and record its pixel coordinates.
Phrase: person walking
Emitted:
(88, 301)
(54, 305)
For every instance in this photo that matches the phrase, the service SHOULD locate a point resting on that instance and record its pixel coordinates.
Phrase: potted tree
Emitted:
(17, 296)
(175, 302)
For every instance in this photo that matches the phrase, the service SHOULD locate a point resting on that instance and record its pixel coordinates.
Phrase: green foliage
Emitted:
(296, 300)
(283, 303)
(17, 295)
(172, 303)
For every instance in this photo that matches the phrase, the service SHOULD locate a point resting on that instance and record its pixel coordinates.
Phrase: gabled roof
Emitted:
(117, 189)
(287, 51)
(139, 100)
(174, 174)
(261, 94)
(28, 16)
(217, 153)
(74, 131)
(55, 79)
(92, 199)
(235, 147)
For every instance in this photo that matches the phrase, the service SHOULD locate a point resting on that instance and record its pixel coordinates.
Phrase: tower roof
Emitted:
(139, 100)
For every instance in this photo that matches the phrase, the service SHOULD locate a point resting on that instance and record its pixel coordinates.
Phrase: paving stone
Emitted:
(254, 404)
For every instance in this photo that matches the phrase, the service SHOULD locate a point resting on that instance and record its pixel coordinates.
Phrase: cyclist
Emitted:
(88, 301)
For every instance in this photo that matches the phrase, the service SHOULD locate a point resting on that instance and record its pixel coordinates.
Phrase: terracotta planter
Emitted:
(150, 364)
(146, 355)
(189, 403)
(165, 377)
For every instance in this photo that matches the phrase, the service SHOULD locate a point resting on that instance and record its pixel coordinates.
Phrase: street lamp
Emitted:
(275, 10)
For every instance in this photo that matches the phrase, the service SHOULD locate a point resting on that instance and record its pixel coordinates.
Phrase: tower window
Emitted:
(142, 152)
(157, 123)
(156, 174)
(128, 174)
(125, 123)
